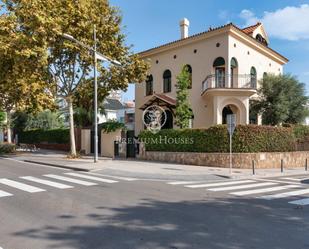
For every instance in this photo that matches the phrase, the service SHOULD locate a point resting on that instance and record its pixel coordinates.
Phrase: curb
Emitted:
(57, 165)
(258, 176)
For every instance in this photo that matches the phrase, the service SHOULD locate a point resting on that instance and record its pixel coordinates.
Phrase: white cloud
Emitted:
(289, 23)
(248, 16)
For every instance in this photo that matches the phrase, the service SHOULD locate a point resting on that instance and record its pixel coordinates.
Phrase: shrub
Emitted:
(246, 138)
(300, 131)
(7, 148)
(111, 126)
(56, 136)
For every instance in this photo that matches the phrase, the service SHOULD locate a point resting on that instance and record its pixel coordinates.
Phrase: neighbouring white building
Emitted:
(226, 64)
(115, 109)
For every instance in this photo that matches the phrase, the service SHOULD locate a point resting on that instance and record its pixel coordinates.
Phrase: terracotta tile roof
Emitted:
(249, 30)
(188, 38)
(129, 104)
(162, 97)
(166, 98)
(246, 31)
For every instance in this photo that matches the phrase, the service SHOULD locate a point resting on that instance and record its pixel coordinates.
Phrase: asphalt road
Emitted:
(140, 214)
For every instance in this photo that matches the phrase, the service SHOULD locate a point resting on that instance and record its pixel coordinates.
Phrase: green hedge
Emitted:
(111, 126)
(7, 148)
(246, 138)
(300, 131)
(56, 136)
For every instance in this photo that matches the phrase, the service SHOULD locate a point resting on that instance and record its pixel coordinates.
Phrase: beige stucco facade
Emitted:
(107, 142)
(86, 141)
(208, 99)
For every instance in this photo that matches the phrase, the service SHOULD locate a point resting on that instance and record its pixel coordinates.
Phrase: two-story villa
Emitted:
(226, 64)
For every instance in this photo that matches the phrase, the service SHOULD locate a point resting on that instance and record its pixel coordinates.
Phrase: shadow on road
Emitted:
(214, 224)
(305, 181)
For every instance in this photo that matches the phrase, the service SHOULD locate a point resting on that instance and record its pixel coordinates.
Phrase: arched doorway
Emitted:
(234, 105)
(169, 120)
(230, 109)
(219, 68)
(226, 111)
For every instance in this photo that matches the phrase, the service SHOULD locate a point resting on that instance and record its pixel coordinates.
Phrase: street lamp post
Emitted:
(97, 56)
(95, 97)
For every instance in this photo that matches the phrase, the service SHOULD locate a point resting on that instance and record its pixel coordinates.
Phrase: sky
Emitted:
(149, 23)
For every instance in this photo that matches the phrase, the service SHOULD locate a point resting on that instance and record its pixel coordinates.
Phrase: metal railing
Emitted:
(238, 81)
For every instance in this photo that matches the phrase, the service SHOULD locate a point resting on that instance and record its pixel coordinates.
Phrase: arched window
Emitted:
(149, 85)
(189, 69)
(219, 62)
(261, 39)
(167, 81)
(253, 78)
(234, 71)
(219, 67)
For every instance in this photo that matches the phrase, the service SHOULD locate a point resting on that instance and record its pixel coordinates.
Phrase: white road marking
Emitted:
(278, 181)
(285, 194)
(4, 194)
(46, 182)
(68, 179)
(181, 183)
(218, 184)
(263, 190)
(301, 202)
(255, 185)
(91, 177)
(116, 177)
(21, 186)
(292, 179)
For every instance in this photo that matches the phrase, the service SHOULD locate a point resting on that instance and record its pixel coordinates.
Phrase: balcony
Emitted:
(236, 84)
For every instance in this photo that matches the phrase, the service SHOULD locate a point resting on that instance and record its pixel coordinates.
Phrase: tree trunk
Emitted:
(8, 126)
(71, 121)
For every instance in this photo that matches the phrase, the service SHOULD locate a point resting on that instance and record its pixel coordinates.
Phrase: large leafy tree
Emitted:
(45, 120)
(282, 100)
(68, 63)
(83, 103)
(2, 118)
(24, 83)
(183, 110)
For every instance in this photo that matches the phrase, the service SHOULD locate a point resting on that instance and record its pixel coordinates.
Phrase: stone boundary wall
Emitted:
(265, 160)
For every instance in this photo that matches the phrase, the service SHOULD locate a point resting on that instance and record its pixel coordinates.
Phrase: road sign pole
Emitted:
(230, 153)
(231, 124)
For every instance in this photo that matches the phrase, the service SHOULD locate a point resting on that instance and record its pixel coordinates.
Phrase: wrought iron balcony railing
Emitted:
(237, 81)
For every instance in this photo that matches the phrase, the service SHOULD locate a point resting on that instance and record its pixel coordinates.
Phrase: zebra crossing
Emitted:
(69, 180)
(265, 189)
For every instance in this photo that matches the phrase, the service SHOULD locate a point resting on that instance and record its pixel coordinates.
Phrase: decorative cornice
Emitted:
(228, 28)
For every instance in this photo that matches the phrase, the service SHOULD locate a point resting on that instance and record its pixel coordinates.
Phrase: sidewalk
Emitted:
(148, 169)
(59, 159)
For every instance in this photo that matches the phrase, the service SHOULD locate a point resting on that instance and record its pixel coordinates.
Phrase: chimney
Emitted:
(184, 28)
